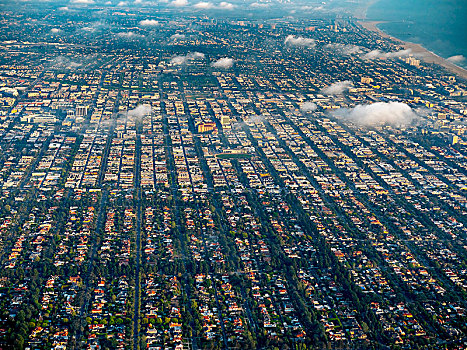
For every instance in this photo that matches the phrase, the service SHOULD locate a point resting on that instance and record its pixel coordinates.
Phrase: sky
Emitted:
(312, 8)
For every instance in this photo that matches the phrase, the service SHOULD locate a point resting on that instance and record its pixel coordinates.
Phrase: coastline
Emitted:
(417, 49)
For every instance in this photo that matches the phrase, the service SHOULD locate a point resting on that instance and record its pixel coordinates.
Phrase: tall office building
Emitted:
(225, 121)
(81, 111)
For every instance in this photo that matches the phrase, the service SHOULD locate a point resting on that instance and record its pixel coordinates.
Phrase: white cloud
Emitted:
(149, 22)
(122, 3)
(375, 54)
(139, 112)
(456, 59)
(180, 60)
(255, 119)
(224, 62)
(82, 2)
(93, 27)
(179, 3)
(343, 49)
(380, 113)
(423, 111)
(178, 36)
(204, 5)
(129, 35)
(299, 41)
(55, 30)
(64, 8)
(308, 107)
(337, 88)
(64, 62)
(226, 6)
(311, 8)
(259, 5)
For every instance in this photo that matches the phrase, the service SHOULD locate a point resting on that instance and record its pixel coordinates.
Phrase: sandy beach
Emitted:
(418, 50)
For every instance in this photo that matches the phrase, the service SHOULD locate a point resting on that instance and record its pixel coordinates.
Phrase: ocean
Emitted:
(438, 25)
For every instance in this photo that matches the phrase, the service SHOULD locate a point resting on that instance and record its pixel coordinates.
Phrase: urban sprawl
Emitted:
(183, 182)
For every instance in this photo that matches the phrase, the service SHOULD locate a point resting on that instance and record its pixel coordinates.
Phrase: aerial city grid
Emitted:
(183, 179)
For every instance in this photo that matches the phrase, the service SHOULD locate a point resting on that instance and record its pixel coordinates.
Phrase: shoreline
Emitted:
(426, 55)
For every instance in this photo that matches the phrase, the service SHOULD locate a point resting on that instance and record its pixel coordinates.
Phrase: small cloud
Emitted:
(62, 62)
(149, 22)
(259, 5)
(456, 59)
(64, 8)
(343, 49)
(129, 35)
(139, 112)
(181, 60)
(55, 30)
(82, 2)
(377, 54)
(299, 41)
(204, 5)
(179, 3)
(226, 6)
(224, 62)
(122, 3)
(337, 88)
(93, 27)
(255, 119)
(178, 36)
(380, 113)
(308, 107)
(423, 111)
(312, 8)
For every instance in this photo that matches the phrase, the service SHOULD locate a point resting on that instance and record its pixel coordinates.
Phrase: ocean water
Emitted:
(438, 25)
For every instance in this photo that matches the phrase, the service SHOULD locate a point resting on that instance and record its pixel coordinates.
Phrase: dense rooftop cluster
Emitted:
(153, 199)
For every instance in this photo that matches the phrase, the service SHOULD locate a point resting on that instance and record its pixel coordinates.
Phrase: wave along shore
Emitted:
(417, 49)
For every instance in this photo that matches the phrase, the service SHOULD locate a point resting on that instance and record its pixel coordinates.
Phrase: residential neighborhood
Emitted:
(152, 198)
